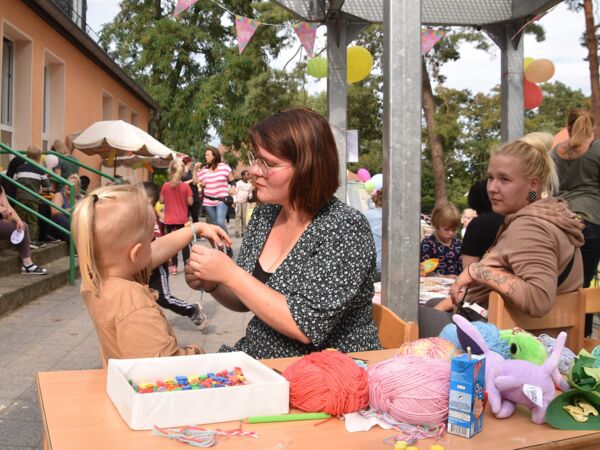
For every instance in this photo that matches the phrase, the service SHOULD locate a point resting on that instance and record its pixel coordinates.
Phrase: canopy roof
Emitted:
(433, 12)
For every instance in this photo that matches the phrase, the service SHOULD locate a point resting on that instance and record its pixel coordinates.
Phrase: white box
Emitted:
(267, 392)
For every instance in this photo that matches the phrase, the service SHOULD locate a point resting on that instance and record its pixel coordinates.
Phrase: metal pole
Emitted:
(401, 156)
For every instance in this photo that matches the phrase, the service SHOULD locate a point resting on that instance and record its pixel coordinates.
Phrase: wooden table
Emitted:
(78, 414)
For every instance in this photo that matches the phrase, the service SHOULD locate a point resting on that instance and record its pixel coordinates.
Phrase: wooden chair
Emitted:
(568, 314)
(392, 330)
(592, 305)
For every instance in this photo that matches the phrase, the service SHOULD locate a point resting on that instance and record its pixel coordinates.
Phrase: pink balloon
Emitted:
(363, 174)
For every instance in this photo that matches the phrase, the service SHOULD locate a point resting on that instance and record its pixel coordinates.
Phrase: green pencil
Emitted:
(287, 417)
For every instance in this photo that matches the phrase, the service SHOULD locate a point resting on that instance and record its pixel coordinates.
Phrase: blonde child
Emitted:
(113, 230)
(443, 244)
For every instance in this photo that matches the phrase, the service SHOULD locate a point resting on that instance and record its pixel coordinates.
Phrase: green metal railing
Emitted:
(4, 149)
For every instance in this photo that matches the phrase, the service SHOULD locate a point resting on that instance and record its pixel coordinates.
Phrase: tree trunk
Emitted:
(592, 46)
(437, 150)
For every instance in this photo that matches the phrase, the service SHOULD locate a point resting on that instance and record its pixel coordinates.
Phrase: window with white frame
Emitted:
(7, 113)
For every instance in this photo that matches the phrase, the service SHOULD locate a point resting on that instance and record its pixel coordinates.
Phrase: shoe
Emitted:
(49, 240)
(173, 270)
(36, 244)
(200, 318)
(229, 251)
(33, 269)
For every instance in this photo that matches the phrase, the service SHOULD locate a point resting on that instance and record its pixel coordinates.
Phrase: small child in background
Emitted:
(159, 277)
(113, 230)
(443, 244)
(467, 215)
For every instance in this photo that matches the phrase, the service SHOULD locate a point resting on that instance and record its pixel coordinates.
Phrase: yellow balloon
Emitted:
(539, 71)
(528, 60)
(360, 63)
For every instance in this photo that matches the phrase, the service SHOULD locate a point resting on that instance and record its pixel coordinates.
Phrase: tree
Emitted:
(191, 66)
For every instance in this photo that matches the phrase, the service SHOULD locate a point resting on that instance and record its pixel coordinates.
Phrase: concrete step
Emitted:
(17, 289)
(10, 263)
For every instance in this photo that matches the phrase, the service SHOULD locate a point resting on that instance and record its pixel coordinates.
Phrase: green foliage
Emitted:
(191, 66)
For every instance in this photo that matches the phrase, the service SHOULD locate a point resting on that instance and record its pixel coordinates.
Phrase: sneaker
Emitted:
(173, 270)
(36, 244)
(199, 318)
(33, 269)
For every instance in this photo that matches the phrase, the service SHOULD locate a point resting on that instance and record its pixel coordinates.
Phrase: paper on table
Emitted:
(356, 422)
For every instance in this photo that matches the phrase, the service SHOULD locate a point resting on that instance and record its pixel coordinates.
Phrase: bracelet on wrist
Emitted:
(208, 291)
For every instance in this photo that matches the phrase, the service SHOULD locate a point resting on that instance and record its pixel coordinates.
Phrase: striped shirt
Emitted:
(215, 182)
(33, 178)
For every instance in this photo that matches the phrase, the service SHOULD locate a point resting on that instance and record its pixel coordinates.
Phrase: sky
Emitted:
(562, 46)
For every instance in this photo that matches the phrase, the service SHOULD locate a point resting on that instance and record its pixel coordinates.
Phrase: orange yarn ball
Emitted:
(434, 347)
(327, 381)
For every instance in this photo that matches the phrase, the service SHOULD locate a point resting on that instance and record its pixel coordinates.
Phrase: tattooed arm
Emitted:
(499, 280)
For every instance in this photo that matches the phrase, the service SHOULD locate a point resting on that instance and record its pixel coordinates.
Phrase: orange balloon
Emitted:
(539, 70)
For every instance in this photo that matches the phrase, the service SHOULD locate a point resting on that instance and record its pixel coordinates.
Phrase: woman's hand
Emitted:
(192, 280)
(215, 234)
(457, 290)
(210, 265)
(18, 221)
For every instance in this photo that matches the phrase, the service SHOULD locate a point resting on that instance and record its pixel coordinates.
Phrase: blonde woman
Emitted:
(113, 230)
(177, 197)
(578, 164)
(536, 254)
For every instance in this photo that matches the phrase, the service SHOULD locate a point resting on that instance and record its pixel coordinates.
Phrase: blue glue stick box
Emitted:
(467, 386)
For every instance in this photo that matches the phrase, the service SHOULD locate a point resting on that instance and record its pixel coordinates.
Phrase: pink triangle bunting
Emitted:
(429, 38)
(182, 5)
(306, 32)
(245, 30)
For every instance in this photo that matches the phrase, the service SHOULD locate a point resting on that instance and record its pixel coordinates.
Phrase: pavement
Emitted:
(54, 332)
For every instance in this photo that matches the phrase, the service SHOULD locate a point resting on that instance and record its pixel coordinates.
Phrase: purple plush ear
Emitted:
(469, 336)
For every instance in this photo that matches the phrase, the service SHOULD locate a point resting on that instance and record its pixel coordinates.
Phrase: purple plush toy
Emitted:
(515, 382)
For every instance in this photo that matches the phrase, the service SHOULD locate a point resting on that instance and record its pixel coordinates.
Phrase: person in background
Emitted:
(482, 229)
(65, 168)
(465, 219)
(9, 188)
(214, 178)
(243, 190)
(375, 218)
(307, 263)
(35, 179)
(176, 196)
(62, 198)
(188, 178)
(85, 183)
(159, 277)
(11, 222)
(578, 165)
(443, 244)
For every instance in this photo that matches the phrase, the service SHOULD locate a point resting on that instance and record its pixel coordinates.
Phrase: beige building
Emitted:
(56, 81)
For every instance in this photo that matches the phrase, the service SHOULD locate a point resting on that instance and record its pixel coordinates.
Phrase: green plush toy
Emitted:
(524, 345)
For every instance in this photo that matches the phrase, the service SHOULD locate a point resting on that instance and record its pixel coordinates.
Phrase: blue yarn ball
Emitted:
(489, 333)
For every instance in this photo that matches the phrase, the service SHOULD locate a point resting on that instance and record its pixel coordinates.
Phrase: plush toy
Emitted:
(512, 382)
(524, 345)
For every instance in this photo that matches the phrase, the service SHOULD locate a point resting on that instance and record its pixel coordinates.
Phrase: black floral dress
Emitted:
(327, 279)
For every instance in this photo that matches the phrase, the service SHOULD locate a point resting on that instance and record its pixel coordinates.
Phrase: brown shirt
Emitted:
(129, 323)
(536, 245)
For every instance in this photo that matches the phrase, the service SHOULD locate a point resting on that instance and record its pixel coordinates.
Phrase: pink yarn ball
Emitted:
(435, 347)
(411, 389)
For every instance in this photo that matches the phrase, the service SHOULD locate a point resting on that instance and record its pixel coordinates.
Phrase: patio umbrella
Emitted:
(115, 138)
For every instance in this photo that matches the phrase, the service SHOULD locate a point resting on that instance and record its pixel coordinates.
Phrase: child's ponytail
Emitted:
(176, 169)
(82, 228)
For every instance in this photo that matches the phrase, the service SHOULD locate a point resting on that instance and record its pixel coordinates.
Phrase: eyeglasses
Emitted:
(263, 166)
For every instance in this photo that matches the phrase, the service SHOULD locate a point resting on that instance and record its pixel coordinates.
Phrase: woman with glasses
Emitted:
(307, 262)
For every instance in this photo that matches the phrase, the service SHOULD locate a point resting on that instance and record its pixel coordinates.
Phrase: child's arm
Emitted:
(166, 246)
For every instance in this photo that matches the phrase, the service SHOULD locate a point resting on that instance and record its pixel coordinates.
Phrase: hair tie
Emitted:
(94, 198)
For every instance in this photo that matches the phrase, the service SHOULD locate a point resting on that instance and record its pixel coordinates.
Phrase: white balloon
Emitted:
(377, 181)
(51, 161)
